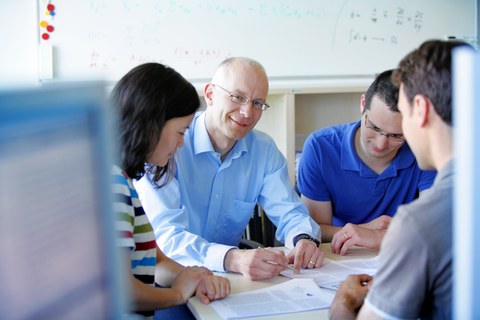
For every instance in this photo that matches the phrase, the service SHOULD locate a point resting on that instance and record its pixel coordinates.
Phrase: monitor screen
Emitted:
(56, 228)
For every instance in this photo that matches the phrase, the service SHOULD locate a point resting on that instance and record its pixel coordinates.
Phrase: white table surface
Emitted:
(239, 284)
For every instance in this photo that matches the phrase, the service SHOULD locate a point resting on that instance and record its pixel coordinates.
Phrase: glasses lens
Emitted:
(238, 99)
(257, 104)
(396, 139)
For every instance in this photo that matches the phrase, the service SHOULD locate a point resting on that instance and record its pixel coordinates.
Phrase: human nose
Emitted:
(246, 109)
(180, 142)
(382, 139)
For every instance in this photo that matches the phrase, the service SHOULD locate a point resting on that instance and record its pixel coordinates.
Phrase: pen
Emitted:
(289, 266)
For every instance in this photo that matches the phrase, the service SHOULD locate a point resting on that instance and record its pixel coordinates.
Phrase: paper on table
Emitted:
(295, 295)
(331, 273)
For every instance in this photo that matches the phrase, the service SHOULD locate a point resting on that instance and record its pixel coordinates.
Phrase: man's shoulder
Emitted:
(338, 129)
(332, 133)
(258, 136)
(331, 138)
(433, 207)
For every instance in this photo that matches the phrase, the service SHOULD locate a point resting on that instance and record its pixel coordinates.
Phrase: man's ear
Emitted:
(421, 109)
(362, 104)
(208, 93)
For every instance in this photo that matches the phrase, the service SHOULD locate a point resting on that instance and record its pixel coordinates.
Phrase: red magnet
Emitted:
(45, 36)
(50, 7)
(50, 28)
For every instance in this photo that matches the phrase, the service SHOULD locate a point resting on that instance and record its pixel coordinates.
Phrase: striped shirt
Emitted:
(133, 229)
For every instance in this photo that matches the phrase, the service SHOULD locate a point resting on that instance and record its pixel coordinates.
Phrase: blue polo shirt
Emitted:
(330, 170)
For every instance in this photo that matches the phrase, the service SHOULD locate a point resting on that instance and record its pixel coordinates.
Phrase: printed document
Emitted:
(331, 273)
(294, 295)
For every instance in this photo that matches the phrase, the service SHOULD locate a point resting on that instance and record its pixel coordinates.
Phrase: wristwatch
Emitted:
(305, 236)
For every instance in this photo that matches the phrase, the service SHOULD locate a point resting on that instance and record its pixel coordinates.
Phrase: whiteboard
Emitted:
(103, 39)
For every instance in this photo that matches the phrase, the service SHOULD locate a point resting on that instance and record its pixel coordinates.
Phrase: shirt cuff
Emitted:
(216, 255)
(379, 312)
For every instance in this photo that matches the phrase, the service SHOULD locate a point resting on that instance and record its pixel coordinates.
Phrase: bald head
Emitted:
(228, 67)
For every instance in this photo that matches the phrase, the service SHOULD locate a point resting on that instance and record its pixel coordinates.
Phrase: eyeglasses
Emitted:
(397, 138)
(256, 103)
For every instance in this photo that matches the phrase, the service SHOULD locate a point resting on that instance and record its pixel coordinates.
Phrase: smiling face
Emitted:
(226, 120)
(378, 122)
(171, 138)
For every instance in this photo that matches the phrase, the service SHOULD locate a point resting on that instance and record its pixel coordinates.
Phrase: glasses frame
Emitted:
(397, 138)
(242, 100)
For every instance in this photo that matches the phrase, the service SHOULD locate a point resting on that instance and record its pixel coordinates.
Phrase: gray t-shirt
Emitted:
(414, 278)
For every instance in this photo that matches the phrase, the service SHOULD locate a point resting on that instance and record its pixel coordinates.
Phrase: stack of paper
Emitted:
(332, 273)
(295, 295)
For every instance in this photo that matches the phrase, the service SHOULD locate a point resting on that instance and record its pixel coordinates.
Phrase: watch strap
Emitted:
(305, 236)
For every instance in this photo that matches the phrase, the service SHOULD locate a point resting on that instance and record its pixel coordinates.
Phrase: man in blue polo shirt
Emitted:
(353, 176)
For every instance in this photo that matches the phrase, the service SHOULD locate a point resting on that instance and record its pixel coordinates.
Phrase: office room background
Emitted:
(320, 55)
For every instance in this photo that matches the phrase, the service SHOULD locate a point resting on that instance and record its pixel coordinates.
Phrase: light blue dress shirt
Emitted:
(203, 212)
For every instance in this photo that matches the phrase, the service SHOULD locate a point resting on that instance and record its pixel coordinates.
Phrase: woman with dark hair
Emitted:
(154, 106)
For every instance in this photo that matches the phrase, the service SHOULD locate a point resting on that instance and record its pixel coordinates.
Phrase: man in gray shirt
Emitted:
(414, 278)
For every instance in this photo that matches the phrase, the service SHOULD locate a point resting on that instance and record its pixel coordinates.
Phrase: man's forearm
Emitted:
(341, 311)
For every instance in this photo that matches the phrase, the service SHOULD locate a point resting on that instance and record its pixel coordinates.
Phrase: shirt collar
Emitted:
(349, 158)
(351, 161)
(202, 142)
(446, 171)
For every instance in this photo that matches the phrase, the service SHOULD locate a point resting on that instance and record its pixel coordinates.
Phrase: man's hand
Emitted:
(354, 235)
(256, 264)
(350, 297)
(306, 254)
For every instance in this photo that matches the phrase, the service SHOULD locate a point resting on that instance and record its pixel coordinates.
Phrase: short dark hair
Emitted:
(427, 70)
(145, 99)
(384, 89)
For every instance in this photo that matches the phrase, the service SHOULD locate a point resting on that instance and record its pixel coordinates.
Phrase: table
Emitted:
(241, 284)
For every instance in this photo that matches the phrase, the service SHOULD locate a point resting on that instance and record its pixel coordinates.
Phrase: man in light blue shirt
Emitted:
(224, 169)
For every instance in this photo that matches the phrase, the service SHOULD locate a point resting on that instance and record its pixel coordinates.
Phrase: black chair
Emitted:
(250, 244)
(260, 231)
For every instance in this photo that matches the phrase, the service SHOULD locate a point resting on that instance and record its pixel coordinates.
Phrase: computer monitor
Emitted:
(57, 251)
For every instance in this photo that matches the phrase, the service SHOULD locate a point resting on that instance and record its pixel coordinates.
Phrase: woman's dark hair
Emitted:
(145, 99)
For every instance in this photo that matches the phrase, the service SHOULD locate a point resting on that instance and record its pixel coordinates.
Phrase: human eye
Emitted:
(396, 136)
(239, 99)
(258, 104)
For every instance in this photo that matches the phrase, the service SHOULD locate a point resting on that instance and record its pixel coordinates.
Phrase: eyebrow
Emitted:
(243, 94)
(373, 124)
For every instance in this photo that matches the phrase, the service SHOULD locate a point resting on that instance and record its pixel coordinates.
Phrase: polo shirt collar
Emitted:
(351, 161)
(349, 158)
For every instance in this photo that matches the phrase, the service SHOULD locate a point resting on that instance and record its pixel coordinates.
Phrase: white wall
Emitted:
(18, 54)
